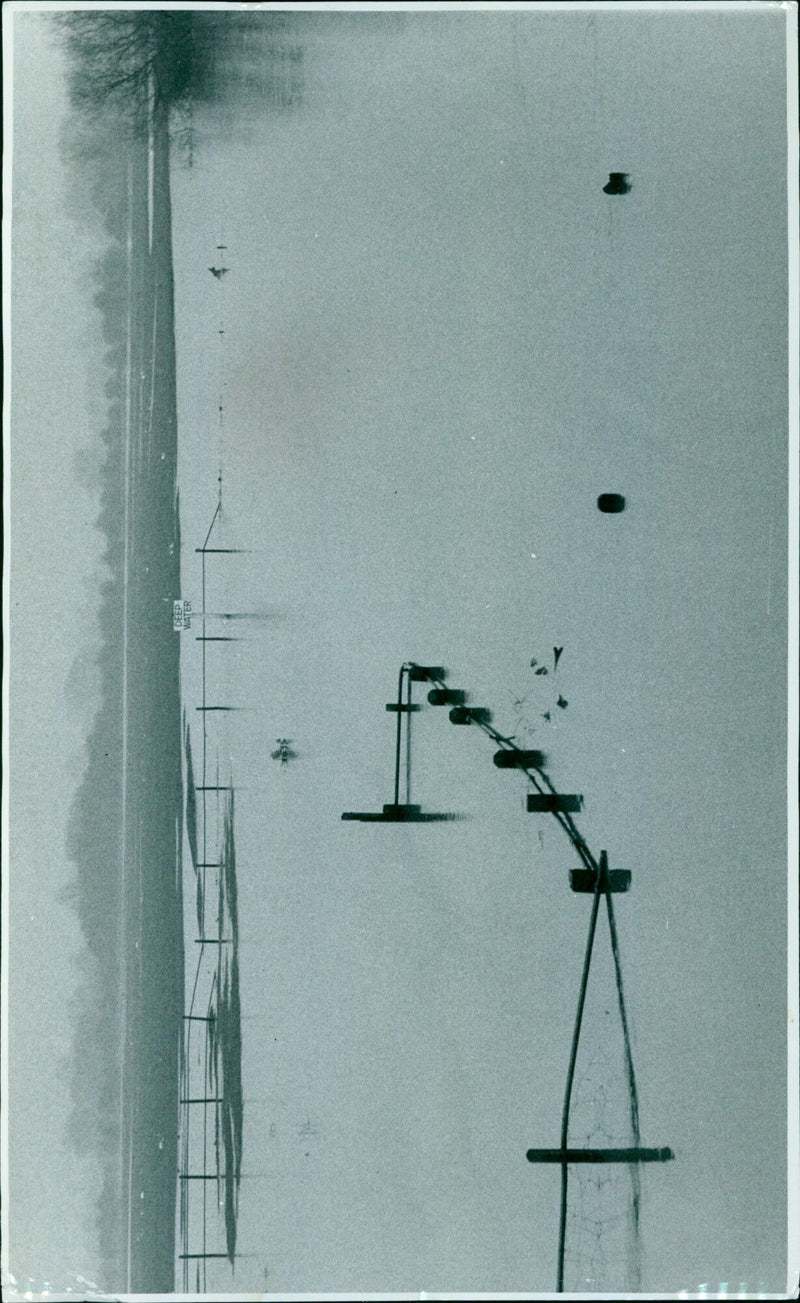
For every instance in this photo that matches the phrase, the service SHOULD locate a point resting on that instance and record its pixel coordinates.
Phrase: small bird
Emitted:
(219, 272)
(546, 717)
(556, 654)
(562, 703)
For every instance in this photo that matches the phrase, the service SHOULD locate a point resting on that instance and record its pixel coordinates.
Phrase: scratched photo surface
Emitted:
(396, 891)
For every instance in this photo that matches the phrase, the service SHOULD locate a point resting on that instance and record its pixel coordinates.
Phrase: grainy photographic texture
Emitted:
(398, 439)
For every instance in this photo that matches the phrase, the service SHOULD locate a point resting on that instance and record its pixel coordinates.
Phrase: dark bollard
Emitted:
(399, 813)
(611, 502)
(513, 759)
(585, 880)
(634, 1154)
(480, 714)
(470, 715)
(460, 715)
(617, 184)
(553, 802)
(392, 813)
(446, 697)
(420, 673)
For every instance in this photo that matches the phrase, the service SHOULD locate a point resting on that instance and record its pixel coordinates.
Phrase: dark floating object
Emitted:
(617, 184)
(460, 715)
(402, 707)
(585, 880)
(512, 759)
(401, 811)
(470, 715)
(632, 1155)
(419, 673)
(219, 272)
(541, 670)
(446, 697)
(556, 655)
(562, 702)
(396, 814)
(553, 802)
(546, 716)
(611, 502)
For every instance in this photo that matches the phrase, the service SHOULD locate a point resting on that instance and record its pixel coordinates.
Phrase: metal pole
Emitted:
(399, 728)
(562, 1219)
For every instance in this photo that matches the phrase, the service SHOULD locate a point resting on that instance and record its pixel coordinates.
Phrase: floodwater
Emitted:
(437, 341)
(129, 885)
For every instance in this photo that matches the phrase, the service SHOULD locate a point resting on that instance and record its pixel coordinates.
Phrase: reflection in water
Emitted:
(135, 78)
(225, 1037)
(211, 1072)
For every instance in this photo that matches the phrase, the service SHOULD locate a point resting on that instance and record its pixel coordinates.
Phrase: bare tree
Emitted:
(129, 58)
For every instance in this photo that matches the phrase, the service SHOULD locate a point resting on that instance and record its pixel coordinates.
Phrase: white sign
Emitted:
(181, 616)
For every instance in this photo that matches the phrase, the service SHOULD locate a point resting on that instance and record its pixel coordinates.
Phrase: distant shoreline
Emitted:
(153, 887)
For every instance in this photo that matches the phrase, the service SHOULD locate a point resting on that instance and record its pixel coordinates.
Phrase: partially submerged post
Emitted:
(593, 878)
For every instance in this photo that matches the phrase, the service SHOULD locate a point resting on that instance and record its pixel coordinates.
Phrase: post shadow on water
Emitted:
(222, 1086)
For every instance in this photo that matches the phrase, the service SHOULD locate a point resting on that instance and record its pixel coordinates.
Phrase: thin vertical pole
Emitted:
(562, 1220)
(633, 1094)
(399, 730)
(408, 740)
